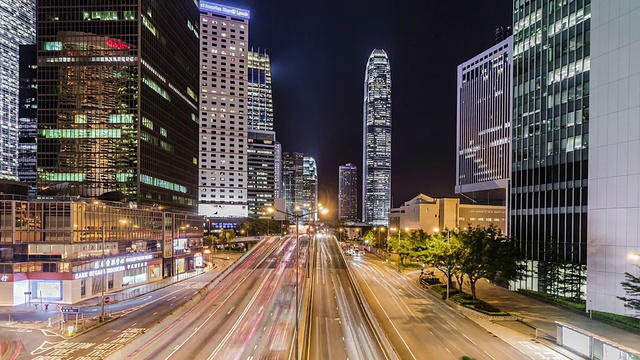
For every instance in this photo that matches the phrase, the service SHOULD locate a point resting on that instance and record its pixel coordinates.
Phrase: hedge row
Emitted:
(559, 300)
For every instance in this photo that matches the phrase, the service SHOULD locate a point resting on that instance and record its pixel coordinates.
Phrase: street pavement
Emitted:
(338, 327)
(420, 326)
(249, 314)
(131, 317)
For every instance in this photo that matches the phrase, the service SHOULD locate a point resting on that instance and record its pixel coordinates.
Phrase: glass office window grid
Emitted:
(223, 113)
(16, 28)
(259, 100)
(484, 120)
(260, 172)
(92, 59)
(376, 199)
(348, 192)
(550, 128)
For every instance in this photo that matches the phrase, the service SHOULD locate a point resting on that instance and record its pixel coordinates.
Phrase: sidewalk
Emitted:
(30, 313)
(541, 315)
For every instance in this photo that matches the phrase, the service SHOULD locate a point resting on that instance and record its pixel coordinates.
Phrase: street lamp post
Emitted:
(104, 271)
(297, 216)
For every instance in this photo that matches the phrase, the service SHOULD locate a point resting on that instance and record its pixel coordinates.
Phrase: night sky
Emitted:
(318, 53)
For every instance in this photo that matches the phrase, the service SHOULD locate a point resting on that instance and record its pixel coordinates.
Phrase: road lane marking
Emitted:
(469, 339)
(171, 298)
(446, 348)
(229, 313)
(489, 355)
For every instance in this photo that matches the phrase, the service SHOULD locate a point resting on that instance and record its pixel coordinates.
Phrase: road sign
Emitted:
(27, 292)
(106, 300)
(70, 309)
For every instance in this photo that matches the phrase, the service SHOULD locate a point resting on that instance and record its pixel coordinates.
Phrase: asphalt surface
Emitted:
(338, 327)
(134, 316)
(419, 325)
(250, 314)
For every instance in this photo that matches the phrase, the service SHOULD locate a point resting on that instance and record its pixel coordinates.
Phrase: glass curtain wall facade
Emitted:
(28, 123)
(259, 101)
(310, 189)
(18, 27)
(117, 102)
(292, 181)
(484, 124)
(548, 195)
(348, 192)
(260, 172)
(223, 111)
(376, 164)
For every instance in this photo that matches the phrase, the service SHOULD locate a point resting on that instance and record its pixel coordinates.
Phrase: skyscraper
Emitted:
(483, 162)
(310, 188)
(292, 180)
(28, 123)
(223, 110)
(548, 192)
(261, 153)
(376, 163)
(348, 192)
(17, 27)
(117, 101)
(259, 102)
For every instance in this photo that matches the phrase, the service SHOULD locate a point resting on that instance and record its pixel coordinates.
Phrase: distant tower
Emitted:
(18, 27)
(376, 165)
(310, 188)
(348, 192)
(292, 180)
(502, 33)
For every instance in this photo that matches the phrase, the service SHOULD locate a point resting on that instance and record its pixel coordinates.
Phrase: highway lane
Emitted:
(249, 316)
(137, 315)
(418, 325)
(338, 327)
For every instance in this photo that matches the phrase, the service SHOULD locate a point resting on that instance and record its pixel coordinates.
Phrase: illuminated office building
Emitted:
(551, 102)
(118, 101)
(348, 192)
(310, 188)
(223, 111)
(376, 164)
(483, 165)
(292, 180)
(259, 102)
(17, 27)
(261, 153)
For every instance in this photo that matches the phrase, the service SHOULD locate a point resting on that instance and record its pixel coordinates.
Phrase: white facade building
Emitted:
(18, 27)
(223, 110)
(613, 235)
(376, 164)
(483, 160)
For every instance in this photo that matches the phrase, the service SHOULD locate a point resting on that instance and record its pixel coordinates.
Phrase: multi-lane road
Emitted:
(421, 326)
(248, 315)
(338, 326)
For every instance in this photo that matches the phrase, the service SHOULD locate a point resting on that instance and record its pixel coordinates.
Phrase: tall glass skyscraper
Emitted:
(118, 100)
(259, 102)
(310, 188)
(17, 27)
(292, 180)
(548, 193)
(376, 163)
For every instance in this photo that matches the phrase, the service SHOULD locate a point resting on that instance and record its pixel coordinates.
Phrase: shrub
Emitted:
(559, 300)
(481, 305)
(621, 321)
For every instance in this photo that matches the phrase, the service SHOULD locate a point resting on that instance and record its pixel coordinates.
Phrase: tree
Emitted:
(209, 240)
(487, 253)
(631, 288)
(443, 251)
